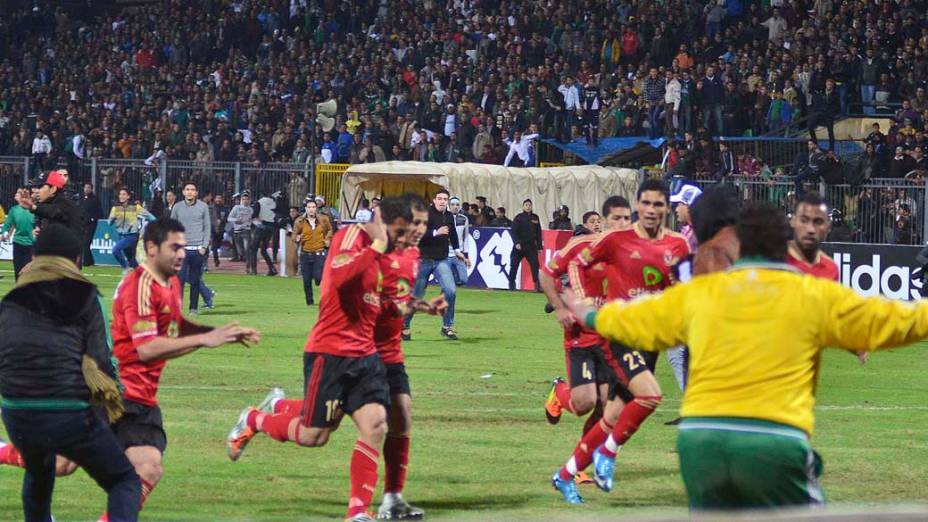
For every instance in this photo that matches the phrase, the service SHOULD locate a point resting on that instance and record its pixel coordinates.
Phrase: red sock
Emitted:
(562, 392)
(363, 478)
(288, 406)
(583, 453)
(10, 456)
(252, 419)
(396, 459)
(276, 427)
(593, 419)
(147, 488)
(631, 418)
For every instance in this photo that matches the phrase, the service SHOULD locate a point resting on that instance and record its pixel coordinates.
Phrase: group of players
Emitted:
(353, 360)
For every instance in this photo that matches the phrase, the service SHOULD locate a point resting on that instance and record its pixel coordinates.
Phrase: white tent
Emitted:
(582, 187)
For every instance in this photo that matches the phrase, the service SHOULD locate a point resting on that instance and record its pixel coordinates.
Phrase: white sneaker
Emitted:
(267, 404)
(394, 507)
(360, 517)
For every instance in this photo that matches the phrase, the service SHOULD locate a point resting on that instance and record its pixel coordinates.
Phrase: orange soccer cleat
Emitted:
(553, 407)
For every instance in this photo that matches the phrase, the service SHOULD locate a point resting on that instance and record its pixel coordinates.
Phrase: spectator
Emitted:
(500, 220)
(371, 153)
(54, 207)
(526, 239)
(265, 227)
(711, 97)
(901, 164)
(92, 212)
(333, 215)
(20, 224)
(825, 107)
(484, 210)
(561, 219)
(654, 98)
(311, 233)
(126, 217)
(241, 218)
(41, 148)
(483, 143)
(193, 214)
(519, 150)
(592, 224)
(459, 265)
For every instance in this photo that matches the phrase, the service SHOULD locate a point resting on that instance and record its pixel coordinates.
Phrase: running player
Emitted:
(589, 376)
(342, 370)
(148, 329)
(640, 261)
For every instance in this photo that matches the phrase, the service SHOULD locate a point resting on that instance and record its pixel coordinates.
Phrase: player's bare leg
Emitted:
(10, 456)
(396, 460)
(647, 397)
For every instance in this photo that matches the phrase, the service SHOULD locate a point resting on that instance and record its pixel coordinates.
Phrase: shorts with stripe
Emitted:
(334, 385)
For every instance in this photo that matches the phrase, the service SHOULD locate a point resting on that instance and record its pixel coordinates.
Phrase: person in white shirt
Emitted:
(451, 121)
(41, 147)
(519, 148)
(462, 229)
(672, 89)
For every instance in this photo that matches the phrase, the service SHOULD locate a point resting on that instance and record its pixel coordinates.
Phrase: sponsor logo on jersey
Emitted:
(651, 276)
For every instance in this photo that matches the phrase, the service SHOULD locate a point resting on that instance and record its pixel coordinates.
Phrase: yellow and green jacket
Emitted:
(755, 334)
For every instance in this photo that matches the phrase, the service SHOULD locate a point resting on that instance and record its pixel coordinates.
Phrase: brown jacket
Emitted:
(312, 239)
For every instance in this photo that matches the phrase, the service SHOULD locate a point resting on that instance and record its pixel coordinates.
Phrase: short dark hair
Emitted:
(812, 198)
(393, 208)
(437, 192)
(614, 202)
(157, 231)
(655, 185)
(501, 210)
(763, 231)
(527, 200)
(189, 183)
(715, 209)
(589, 214)
(415, 202)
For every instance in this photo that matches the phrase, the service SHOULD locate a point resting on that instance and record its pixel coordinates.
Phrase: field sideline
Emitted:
(481, 448)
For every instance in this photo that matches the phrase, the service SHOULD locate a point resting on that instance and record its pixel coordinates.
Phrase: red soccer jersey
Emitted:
(637, 264)
(399, 269)
(144, 308)
(351, 285)
(587, 282)
(824, 266)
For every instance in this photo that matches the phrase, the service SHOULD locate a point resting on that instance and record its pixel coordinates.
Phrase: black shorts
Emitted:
(587, 366)
(334, 384)
(627, 362)
(141, 425)
(397, 379)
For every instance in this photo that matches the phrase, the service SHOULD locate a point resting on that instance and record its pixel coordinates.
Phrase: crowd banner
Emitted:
(490, 251)
(104, 239)
(888, 270)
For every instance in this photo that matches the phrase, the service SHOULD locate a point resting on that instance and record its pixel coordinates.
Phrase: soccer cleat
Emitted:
(406, 334)
(361, 517)
(568, 488)
(603, 470)
(448, 333)
(240, 435)
(267, 404)
(674, 422)
(193, 311)
(582, 478)
(395, 507)
(553, 408)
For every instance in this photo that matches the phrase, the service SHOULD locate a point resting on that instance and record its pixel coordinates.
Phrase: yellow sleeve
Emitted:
(870, 323)
(651, 322)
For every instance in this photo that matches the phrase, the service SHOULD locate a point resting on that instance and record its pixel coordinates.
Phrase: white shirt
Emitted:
(571, 96)
(41, 145)
(450, 124)
(520, 148)
(77, 145)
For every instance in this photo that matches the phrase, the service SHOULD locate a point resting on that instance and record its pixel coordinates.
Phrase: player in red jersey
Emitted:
(342, 371)
(640, 262)
(811, 224)
(148, 329)
(589, 376)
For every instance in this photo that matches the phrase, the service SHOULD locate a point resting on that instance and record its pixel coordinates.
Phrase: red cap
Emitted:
(55, 179)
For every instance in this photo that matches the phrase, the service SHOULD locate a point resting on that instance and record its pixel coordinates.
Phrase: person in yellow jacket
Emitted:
(755, 333)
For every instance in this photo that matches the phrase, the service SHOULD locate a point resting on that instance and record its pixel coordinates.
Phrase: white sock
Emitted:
(611, 444)
(571, 466)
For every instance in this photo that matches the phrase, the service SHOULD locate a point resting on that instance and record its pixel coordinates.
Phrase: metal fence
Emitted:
(890, 211)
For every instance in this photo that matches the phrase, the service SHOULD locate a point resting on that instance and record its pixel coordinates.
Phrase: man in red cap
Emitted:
(55, 207)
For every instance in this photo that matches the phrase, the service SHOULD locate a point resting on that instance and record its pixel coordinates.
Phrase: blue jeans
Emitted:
(82, 437)
(459, 269)
(710, 112)
(655, 126)
(192, 272)
(124, 250)
(206, 291)
(444, 273)
(311, 269)
(867, 92)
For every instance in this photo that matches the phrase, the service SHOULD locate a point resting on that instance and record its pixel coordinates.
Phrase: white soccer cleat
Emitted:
(395, 507)
(267, 404)
(240, 435)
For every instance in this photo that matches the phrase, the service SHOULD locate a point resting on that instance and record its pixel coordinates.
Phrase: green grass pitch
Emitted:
(481, 448)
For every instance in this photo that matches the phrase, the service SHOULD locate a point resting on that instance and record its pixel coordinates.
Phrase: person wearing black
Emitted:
(92, 212)
(526, 239)
(440, 239)
(825, 107)
(55, 207)
(55, 363)
(485, 210)
(561, 219)
(501, 220)
(590, 104)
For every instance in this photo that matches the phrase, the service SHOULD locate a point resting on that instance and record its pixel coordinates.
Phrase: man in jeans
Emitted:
(312, 233)
(193, 214)
(462, 229)
(241, 217)
(46, 392)
(439, 237)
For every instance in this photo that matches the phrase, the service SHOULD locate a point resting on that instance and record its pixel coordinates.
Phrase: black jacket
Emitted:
(436, 247)
(47, 329)
(92, 210)
(526, 231)
(59, 209)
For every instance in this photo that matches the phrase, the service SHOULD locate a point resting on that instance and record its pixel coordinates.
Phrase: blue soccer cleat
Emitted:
(603, 470)
(568, 488)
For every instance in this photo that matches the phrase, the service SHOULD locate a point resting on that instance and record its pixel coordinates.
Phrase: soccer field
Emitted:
(481, 448)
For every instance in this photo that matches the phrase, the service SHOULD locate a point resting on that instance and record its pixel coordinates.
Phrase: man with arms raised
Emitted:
(148, 329)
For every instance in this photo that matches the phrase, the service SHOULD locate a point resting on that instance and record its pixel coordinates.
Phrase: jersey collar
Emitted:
(643, 234)
(797, 254)
(156, 277)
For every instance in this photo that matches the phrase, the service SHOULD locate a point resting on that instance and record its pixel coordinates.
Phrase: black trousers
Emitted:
(22, 256)
(264, 236)
(311, 268)
(515, 259)
(823, 121)
(89, 230)
(82, 437)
